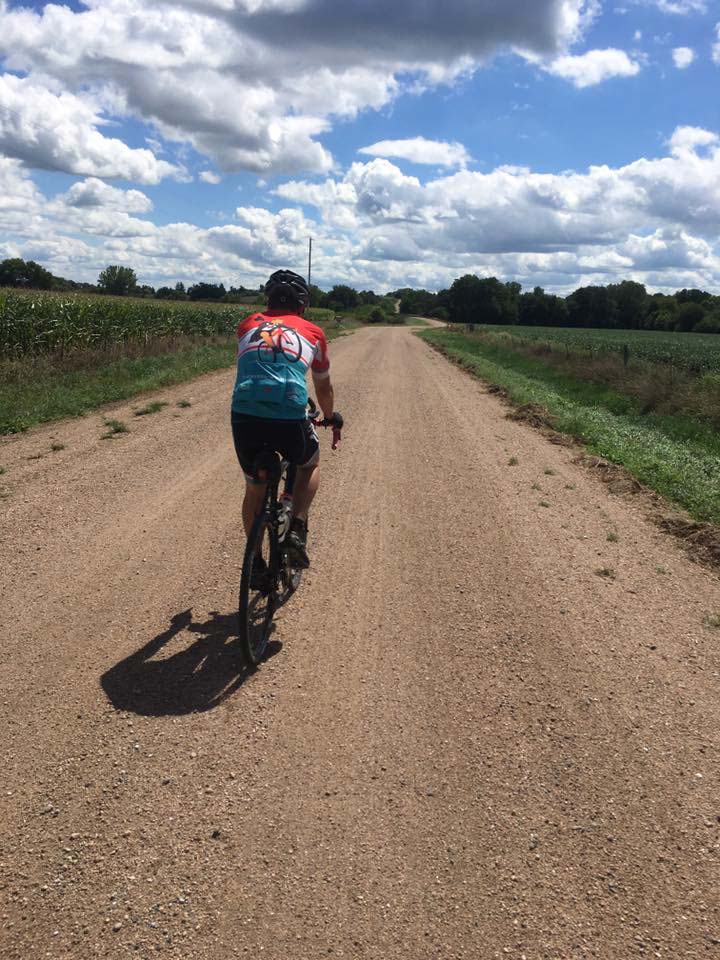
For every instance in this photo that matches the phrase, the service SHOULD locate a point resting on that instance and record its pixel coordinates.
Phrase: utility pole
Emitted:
(309, 261)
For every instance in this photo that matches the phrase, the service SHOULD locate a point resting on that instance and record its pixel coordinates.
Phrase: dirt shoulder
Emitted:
(466, 743)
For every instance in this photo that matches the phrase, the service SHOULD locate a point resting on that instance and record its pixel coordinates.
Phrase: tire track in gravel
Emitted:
(465, 744)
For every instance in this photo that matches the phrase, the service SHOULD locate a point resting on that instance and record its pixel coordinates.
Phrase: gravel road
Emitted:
(466, 743)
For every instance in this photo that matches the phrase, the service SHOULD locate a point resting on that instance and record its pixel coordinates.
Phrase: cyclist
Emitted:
(269, 403)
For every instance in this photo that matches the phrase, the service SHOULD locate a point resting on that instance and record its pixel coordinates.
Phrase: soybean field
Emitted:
(691, 352)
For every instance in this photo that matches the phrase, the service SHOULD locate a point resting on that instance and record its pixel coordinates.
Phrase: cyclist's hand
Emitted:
(336, 422)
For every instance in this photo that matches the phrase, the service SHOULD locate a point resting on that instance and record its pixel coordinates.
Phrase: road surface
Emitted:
(466, 742)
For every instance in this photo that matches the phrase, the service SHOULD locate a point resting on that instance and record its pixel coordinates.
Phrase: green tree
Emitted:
(317, 297)
(591, 307)
(463, 298)
(631, 304)
(343, 297)
(472, 300)
(692, 296)
(368, 296)
(207, 291)
(689, 315)
(119, 281)
(21, 273)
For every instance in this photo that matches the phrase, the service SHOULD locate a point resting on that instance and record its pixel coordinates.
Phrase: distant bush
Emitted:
(319, 315)
(709, 324)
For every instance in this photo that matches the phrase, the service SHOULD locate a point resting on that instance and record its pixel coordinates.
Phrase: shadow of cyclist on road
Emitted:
(196, 678)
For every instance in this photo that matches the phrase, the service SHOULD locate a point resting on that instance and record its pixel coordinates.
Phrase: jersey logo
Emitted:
(280, 340)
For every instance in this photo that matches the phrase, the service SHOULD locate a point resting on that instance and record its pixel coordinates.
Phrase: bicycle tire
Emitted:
(256, 608)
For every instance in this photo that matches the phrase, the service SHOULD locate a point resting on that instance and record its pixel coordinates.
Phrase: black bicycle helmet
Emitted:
(287, 288)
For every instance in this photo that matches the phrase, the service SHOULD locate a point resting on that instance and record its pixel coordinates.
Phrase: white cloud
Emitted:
(513, 217)
(683, 57)
(655, 220)
(437, 153)
(681, 7)
(687, 140)
(594, 67)
(97, 193)
(673, 7)
(716, 46)
(206, 74)
(207, 176)
(58, 131)
(20, 200)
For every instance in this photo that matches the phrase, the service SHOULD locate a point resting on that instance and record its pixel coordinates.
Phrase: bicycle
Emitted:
(258, 603)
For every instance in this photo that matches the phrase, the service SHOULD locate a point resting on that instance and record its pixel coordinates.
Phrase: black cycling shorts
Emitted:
(295, 440)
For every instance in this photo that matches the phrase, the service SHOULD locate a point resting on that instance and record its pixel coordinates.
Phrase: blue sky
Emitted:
(558, 143)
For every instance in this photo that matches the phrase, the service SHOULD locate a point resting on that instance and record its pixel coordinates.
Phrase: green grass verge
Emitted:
(677, 456)
(38, 393)
(38, 390)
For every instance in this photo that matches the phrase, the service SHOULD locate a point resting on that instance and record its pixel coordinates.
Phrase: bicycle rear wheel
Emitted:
(258, 596)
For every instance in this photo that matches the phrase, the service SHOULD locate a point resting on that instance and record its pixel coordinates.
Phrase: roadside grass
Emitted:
(184, 404)
(40, 389)
(676, 455)
(149, 408)
(56, 447)
(712, 620)
(114, 428)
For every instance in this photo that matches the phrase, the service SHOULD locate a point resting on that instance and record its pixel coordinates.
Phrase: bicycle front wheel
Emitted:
(258, 590)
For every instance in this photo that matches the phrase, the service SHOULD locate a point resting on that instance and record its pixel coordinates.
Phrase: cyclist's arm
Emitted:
(324, 393)
(321, 376)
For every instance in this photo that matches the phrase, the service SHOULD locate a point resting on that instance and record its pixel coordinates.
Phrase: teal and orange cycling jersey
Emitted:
(275, 352)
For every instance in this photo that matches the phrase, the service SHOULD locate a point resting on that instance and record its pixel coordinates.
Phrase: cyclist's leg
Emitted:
(249, 442)
(252, 502)
(307, 483)
(307, 480)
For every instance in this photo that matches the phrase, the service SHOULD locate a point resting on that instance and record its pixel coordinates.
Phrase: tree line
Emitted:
(624, 305)
(122, 281)
(119, 281)
(469, 300)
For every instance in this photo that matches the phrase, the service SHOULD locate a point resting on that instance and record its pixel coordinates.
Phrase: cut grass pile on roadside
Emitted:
(678, 456)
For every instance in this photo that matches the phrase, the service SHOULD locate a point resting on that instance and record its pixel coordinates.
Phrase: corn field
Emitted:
(32, 324)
